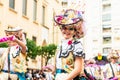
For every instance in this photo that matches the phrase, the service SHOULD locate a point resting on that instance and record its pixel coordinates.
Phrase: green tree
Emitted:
(48, 52)
(33, 49)
(3, 45)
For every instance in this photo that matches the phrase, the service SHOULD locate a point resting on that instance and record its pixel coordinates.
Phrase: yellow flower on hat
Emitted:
(63, 21)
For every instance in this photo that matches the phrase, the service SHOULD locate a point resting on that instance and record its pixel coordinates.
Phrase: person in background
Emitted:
(42, 74)
(29, 74)
(111, 70)
(13, 58)
(70, 55)
(101, 60)
(90, 69)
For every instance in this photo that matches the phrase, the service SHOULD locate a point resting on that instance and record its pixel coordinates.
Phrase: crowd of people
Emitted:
(104, 68)
(34, 74)
(39, 74)
(97, 68)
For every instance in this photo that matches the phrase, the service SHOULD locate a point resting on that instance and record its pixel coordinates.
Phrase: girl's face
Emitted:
(68, 32)
(16, 34)
(114, 59)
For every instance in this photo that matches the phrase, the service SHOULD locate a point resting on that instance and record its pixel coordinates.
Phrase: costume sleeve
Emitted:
(78, 50)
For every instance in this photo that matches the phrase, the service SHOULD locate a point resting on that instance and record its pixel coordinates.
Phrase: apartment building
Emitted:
(35, 17)
(110, 25)
(103, 27)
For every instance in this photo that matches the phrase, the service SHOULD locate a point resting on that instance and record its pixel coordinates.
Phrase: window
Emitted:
(24, 9)
(106, 39)
(34, 10)
(43, 15)
(117, 38)
(107, 7)
(106, 17)
(106, 28)
(34, 39)
(64, 3)
(12, 4)
(106, 50)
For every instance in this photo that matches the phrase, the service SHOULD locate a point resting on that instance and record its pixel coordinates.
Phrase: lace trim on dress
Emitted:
(75, 47)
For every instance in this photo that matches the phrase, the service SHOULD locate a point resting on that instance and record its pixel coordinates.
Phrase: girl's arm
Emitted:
(78, 68)
(22, 44)
(19, 42)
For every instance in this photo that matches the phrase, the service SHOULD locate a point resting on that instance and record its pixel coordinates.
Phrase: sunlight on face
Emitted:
(67, 32)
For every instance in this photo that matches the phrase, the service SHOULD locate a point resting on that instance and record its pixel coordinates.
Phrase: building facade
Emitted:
(103, 27)
(35, 17)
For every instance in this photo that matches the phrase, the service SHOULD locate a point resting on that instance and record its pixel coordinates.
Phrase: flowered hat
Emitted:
(71, 17)
(113, 54)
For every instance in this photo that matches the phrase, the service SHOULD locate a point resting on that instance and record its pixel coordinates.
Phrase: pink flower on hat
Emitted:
(59, 18)
(69, 42)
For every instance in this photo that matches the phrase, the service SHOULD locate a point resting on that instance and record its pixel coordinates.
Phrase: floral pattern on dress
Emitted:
(68, 62)
(18, 60)
(69, 53)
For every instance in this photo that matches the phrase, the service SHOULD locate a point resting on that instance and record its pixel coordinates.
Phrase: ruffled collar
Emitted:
(66, 47)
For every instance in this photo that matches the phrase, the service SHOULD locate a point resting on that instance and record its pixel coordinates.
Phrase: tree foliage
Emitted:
(32, 49)
(46, 52)
(3, 45)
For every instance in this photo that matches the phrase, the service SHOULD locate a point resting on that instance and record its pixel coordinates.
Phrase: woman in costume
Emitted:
(13, 58)
(70, 55)
(111, 70)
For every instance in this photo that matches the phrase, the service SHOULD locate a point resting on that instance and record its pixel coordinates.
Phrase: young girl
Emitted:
(70, 55)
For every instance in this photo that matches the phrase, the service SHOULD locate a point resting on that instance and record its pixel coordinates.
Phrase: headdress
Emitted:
(16, 32)
(13, 29)
(113, 54)
(71, 17)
